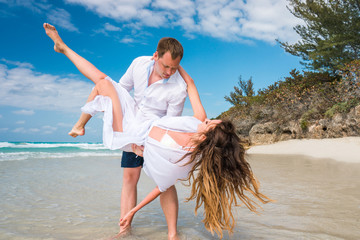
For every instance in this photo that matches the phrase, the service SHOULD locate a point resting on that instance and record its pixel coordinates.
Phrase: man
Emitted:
(159, 90)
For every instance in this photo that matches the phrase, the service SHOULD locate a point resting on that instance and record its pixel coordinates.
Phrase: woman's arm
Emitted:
(138, 150)
(198, 109)
(125, 221)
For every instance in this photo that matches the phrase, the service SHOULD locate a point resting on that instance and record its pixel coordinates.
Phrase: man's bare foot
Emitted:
(50, 30)
(75, 131)
(173, 237)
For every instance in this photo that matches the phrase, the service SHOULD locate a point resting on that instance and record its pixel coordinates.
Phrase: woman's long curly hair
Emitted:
(219, 176)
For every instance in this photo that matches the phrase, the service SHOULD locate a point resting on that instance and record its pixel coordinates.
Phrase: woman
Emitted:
(207, 153)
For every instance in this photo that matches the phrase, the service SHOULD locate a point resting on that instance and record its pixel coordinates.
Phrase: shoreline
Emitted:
(345, 149)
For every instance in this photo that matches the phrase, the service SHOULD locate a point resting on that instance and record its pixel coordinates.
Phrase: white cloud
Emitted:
(37, 6)
(33, 130)
(24, 112)
(108, 28)
(49, 128)
(124, 10)
(42, 130)
(20, 122)
(19, 130)
(232, 20)
(61, 124)
(61, 18)
(24, 88)
(17, 63)
(112, 28)
(127, 40)
(57, 16)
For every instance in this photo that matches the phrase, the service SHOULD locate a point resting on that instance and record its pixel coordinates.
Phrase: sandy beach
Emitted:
(340, 149)
(72, 191)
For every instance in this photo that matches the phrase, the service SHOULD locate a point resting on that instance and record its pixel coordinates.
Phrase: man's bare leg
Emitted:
(84, 66)
(170, 206)
(129, 192)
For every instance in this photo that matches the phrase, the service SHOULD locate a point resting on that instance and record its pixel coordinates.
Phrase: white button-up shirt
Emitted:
(162, 98)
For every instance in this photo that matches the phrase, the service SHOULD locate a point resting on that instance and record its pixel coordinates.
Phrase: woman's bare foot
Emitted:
(123, 233)
(77, 131)
(50, 30)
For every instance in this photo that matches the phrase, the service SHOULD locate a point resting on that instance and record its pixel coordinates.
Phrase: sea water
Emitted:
(72, 191)
(42, 150)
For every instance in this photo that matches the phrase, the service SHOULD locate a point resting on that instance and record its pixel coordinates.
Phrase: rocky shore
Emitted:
(339, 126)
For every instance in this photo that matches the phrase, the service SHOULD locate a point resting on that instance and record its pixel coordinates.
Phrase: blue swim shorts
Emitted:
(131, 160)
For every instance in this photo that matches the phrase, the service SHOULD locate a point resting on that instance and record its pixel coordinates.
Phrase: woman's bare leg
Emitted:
(84, 66)
(79, 127)
(104, 88)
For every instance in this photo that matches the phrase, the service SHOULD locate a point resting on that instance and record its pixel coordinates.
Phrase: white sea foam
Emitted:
(23, 151)
(20, 156)
(6, 144)
(51, 145)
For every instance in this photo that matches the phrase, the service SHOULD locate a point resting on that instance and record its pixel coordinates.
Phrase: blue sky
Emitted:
(41, 91)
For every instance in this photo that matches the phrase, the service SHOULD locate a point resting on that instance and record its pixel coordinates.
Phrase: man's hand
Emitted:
(138, 150)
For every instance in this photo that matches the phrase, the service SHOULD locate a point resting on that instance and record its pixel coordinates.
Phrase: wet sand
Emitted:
(79, 198)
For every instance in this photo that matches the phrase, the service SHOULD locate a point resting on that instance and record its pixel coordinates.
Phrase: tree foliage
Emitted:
(241, 94)
(331, 34)
(302, 97)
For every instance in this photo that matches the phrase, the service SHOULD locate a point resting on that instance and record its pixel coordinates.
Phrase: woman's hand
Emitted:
(198, 109)
(126, 220)
(138, 150)
(188, 80)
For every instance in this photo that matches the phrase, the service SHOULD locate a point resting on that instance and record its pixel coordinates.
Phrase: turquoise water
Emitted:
(12, 151)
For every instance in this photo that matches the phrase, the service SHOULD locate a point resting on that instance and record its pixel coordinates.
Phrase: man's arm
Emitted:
(177, 98)
(127, 80)
(176, 104)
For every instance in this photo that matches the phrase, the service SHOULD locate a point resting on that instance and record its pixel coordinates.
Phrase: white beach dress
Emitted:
(136, 124)
(161, 161)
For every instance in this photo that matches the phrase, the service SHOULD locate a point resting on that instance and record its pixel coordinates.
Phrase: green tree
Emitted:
(331, 34)
(241, 94)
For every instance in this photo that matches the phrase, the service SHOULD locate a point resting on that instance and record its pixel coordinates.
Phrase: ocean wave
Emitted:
(87, 146)
(20, 156)
(10, 151)
(6, 144)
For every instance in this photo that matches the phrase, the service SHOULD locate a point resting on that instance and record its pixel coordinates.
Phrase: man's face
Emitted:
(166, 66)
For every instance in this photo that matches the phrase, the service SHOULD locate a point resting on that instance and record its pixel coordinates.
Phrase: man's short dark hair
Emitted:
(170, 44)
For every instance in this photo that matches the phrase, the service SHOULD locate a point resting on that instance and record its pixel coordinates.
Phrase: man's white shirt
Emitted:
(165, 97)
